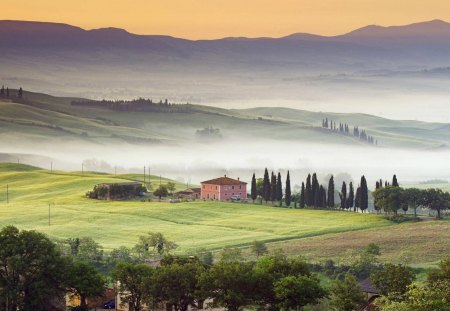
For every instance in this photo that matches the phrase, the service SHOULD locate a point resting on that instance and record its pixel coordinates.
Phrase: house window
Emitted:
(203, 186)
(240, 187)
(214, 196)
(216, 187)
(232, 187)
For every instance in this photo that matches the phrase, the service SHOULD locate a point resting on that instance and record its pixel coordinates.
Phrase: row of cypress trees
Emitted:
(5, 92)
(312, 193)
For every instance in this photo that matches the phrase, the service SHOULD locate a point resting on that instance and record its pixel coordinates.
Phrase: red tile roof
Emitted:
(224, 181)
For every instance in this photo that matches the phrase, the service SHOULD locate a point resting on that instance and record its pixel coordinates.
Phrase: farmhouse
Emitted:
(223, 189)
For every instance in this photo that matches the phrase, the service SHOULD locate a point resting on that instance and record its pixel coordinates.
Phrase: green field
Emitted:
(192, 225)
(315, 234)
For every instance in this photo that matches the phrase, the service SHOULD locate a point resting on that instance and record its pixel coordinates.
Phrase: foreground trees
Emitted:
(32, 270)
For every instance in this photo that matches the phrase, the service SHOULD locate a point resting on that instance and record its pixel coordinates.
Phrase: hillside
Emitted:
(41, 117)
(196, 225)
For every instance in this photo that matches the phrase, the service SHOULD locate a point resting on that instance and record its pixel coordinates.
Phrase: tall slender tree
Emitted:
(351, 196)
(20, 93)
(287, 191)
(317, 195)
(279, 189)
(394, 181)
(302, 196)
(314, 187)
(330, 202)
(273, 187)
(343, 195)
(364, 200)
(253, 191)
(358, 198)
(2, 90)
(266, 186)
(308, 192)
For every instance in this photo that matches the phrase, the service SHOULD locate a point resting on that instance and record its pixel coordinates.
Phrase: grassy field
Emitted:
(212, 225)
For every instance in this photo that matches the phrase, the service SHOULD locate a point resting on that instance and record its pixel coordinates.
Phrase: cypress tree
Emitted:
(378, 185)
(324, 198)
(7, 92)
(287, 191)
(253, 189)
(330, 201)
(364, 200)
(302, 196)
(358, 198)
(317, 196)
(351, 196)
(2, 90)
(273, 188)
(279, 189)
(266, 186)
(20, 93)
(308, 192)
(343, 195)
(314, 187)
(394, 181)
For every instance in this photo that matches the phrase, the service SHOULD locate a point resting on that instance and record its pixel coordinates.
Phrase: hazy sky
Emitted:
(220, 18)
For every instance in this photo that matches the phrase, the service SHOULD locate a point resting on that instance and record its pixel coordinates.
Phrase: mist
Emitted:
(192, 163)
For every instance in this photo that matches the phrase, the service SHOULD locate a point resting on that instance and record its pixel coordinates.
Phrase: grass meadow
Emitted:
(198, 225)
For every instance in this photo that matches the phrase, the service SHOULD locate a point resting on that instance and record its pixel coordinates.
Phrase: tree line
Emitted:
(34, 272)
(140, 104)
(5, 92)
(312, 193)
(344, 129)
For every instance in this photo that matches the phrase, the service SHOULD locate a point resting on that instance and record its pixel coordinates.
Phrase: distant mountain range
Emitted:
(109, 62)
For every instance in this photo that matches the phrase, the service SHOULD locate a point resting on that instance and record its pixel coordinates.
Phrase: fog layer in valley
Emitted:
(196, 162)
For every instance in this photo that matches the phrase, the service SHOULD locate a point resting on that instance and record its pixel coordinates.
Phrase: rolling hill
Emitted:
(41, 117)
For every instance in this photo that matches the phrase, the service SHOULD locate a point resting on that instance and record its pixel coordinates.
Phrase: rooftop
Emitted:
(224, 181)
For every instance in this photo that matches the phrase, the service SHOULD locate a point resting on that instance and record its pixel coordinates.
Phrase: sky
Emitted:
(209, 19)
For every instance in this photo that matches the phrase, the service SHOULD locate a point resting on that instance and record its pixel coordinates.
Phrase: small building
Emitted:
(223, 189)
(189, 194)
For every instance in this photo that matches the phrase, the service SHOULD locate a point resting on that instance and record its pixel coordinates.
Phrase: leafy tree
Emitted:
(156, 240)
(288, 197)
(231, 254)
(170, 187)
(442, 273)
(363, 194)
(32, 272)
(161, 191)
(253, 191)
(303, 196)
(393, 280)
(330, 201)
(229, 284)
(437, 200)
(206, 257)
(178, 284)
(259, 248)
(85, 281)
(343, 195)
(134, 284)
(260, 187)
(346, 294)
(295, 292)
(90, 251)
(413, 198)
(121, 254)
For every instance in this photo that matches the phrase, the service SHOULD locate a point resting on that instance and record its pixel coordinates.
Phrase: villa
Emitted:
(223, 189)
